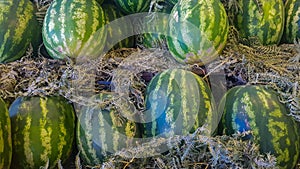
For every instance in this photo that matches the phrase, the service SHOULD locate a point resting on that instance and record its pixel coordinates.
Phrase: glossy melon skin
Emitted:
(42, 131)
(178, 102)
(195, 36)
(5, 136)
(263, 19)
(257, 109)
(75, 29)
(18, 28)
(102, 131)
(292, 21)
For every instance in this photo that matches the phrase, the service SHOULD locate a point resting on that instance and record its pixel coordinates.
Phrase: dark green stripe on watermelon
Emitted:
(133, 6)
(74, 28)
(198, 31)
(261, 19)
(18, 28)
(42, 131)
(292, 24)
(102, 130)
(257, 109)
(5, 137)
(178, 102)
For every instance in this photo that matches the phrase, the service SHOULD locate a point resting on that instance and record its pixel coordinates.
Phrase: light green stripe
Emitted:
(23, 19)
(27, 143)
(102, 132)
(88, 128)
(63, 134)
(46, 131)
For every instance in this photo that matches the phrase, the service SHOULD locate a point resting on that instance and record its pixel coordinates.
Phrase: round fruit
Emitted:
(18, 28)
(74, 29)
(292, 25)
(101, 130)
(198, 30)
(42, 131)
(177, 103)
(258, 109)
(261, 19)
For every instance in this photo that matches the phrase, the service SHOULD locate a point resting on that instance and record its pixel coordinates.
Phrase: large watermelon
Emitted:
(258, 109)
(263, 19)
(178, 102)
(18, 28)
(74, 28)
(42, 131)
(292, 22)
(198, 30)
(5, 137)
(101, 130)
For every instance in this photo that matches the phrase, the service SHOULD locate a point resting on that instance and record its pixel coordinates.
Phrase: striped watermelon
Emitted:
(261, 19)
(101, 131)
(74, 28)
(5, 137)
(133, 6)
(18, 28)
(198, 30)
(42, 131)
(258, 109)
(116, 33)
(178, 102)
(292, 24)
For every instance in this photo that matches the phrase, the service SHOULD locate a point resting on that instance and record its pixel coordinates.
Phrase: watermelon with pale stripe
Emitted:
(198, 31)
(292, 24)
(133, 6)
(5, 136)
(42, 131)
(102, 130)
(261, 19)
(258, 109)
(116, 30)
(178, 102)
(18, 28)
(74, 28)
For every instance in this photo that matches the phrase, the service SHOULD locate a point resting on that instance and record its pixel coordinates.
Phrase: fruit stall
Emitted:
(149, 84)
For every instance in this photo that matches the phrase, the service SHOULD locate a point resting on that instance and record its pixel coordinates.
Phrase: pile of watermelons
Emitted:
(149, 84)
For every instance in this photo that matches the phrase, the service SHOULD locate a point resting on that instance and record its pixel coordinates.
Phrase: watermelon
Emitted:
(42, 131)
(198, 31)
(101, 130)
(18, 28)
(292, 24)
(257, 109)
(116, 30)
(74, 28)
(133, 6)
(261, 19)
(177, 103)
(5, 137)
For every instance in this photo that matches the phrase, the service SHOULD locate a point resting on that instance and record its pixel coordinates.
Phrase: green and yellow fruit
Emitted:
(42, 131)
(258, 109)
